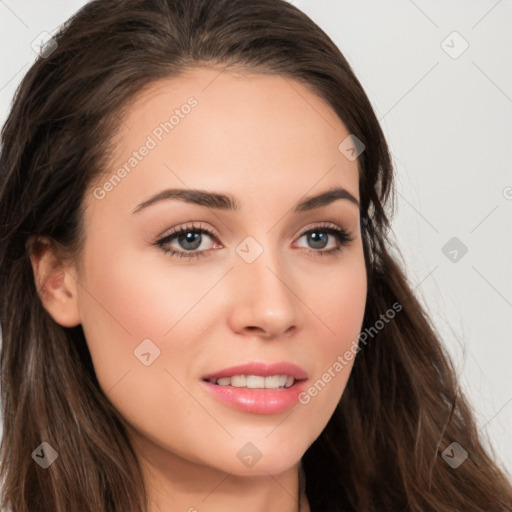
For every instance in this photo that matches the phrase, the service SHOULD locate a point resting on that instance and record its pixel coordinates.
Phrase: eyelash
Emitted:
(341, 235)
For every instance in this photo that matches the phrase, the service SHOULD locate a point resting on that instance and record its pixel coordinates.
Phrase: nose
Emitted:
(264, 300)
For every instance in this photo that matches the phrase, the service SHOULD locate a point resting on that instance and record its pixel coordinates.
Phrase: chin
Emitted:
(262, 461)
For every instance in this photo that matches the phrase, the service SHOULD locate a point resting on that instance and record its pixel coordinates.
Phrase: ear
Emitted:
(56, 283)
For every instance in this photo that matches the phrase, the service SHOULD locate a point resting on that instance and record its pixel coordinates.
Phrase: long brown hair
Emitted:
(402, 407)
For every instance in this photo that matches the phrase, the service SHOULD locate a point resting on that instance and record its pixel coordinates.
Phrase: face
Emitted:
(266, 282)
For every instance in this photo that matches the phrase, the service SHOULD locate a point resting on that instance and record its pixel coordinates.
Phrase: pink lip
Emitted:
(265, 370)
(258, 401)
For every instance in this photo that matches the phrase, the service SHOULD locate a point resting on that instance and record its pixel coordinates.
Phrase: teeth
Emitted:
(256, 381)
(273, 381)
(239, 381)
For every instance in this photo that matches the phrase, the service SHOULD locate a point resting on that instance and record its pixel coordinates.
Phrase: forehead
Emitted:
(246, 133)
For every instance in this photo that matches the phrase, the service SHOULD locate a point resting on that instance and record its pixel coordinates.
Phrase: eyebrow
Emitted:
(229, 203)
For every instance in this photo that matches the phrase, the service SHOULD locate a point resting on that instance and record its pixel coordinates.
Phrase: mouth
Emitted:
(257, 388)
(258, 375)
(272, 393)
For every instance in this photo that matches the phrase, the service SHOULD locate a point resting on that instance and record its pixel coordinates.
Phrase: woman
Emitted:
(194, 261)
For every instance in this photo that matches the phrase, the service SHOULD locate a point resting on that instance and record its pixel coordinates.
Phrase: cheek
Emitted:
(125, 299)
(340, 304)
(343, 305)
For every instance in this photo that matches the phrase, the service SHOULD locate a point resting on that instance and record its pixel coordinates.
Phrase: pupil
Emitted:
(189, 238)
(317, 237)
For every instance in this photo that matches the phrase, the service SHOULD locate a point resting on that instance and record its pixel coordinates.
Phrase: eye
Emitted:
(319, 235)
(190, 238)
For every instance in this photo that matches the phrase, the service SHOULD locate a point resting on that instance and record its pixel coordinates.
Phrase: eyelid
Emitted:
(193, 226)
(190, 226)
(324, 224)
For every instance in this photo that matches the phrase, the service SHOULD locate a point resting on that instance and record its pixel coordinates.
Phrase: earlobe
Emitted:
(56, 284)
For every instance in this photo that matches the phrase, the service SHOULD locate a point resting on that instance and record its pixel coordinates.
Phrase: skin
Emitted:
(269, 142)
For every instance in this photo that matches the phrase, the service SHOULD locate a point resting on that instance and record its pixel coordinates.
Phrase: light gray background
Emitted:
(449, 125)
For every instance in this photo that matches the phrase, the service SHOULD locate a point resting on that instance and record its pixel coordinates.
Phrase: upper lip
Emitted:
(262, 369)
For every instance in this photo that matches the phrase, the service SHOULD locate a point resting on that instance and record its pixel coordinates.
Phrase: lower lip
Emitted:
(257, 401)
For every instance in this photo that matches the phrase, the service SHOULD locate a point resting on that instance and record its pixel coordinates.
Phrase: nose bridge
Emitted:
(263, 295)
